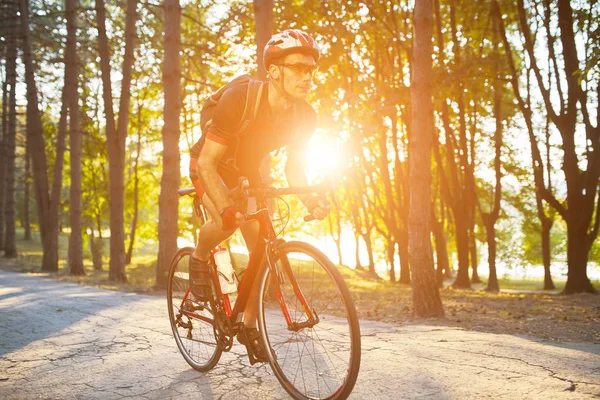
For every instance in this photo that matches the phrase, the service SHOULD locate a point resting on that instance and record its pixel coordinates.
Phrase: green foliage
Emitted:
(362, 95)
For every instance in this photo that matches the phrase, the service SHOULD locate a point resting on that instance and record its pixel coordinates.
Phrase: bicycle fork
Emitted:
(312, 317)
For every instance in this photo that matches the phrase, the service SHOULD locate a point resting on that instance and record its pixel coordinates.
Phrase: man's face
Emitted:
(297, 70)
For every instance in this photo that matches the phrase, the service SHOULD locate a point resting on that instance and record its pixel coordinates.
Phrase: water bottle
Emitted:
(227, 277)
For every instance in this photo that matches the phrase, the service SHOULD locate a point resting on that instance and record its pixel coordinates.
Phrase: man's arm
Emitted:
(208, 161)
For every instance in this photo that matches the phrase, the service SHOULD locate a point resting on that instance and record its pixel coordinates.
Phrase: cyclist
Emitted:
(220, 157)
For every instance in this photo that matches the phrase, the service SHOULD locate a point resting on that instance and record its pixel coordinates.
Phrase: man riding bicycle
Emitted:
(223, 154)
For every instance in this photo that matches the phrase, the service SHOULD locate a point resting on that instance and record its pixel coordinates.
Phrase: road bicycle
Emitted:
(306, 316)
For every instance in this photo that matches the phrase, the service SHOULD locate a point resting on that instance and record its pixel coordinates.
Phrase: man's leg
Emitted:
(250, 233)
(210, 235)
(249, 336)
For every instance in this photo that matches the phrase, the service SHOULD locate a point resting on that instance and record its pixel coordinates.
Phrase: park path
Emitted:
(65, 341)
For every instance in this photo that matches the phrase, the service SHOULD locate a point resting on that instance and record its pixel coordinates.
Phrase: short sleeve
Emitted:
(227, 114)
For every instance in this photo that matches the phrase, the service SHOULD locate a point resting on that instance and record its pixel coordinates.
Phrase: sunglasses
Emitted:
(301, 69)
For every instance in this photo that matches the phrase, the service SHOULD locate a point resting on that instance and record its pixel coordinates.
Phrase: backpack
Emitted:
(254, 94)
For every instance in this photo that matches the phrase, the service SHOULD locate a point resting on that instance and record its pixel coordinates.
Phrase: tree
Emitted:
(47, 201)
(541, 186)
(26, 197)
(4, 124)
(457, 178)
(169, 200)
(71, 78)
(581, 209)
(136, 182)
(441, 250)
(116, 133)
(263, 15)
(36, 145)
(426, 297)
(490, 218)
(10, 247)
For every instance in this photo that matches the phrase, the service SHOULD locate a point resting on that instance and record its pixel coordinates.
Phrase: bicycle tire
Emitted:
(194, 337)
(318, 362)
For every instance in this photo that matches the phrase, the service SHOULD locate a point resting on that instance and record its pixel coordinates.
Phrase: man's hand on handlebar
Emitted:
(318, 207)
(231, 218)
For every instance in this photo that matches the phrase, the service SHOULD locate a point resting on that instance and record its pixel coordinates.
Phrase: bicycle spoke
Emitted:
(192, 324)
(318, 361)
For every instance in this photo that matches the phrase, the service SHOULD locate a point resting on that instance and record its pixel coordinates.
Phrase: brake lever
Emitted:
(308, 218)
(328, 187)
(239, 194)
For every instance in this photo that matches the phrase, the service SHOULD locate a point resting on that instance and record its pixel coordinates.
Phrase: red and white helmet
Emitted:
(287, 42)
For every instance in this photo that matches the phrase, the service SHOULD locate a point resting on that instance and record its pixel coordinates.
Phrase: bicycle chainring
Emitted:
(222, 329)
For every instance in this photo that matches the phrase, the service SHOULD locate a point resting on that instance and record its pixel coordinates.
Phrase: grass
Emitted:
(141, 273)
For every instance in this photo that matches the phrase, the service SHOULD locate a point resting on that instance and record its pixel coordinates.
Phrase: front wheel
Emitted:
(192, 321)
(318, 357)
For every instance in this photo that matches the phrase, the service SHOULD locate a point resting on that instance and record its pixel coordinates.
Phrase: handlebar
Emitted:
(242, 191)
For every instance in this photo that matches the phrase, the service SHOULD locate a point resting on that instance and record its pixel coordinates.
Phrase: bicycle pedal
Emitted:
(253, 346)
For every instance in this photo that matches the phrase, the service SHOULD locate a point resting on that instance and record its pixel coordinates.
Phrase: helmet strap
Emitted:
(281, 89)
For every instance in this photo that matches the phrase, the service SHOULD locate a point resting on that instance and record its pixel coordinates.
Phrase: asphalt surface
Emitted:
(66, 341)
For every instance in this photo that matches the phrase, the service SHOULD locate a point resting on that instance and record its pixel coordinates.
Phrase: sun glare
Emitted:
(323, 158)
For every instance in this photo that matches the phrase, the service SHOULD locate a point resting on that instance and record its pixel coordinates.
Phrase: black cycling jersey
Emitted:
(268, 132)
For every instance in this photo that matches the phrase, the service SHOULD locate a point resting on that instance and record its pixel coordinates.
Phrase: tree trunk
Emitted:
(581, 208)
(462, 248)
(357, 264)
(76, 209)
(426, 296)
(47, 209)
(441, 250)
(2, 152)
(116, 135)
(390, 252)
(96, 246)
(537, 163)
(546, 256)
(489, 219)
(457, 186)
(26, 198)
(10, 242)
(369, 244)
(490, 231)
(473, 257)
(169, 200)
(263, 15)
(403, 254)
(136, 191)
(577, 257)
(51, 254)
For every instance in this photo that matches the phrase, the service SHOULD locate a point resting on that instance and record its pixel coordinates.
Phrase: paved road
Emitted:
(65, 341)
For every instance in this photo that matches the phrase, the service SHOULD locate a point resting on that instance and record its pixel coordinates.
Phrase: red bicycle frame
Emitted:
(264, 247)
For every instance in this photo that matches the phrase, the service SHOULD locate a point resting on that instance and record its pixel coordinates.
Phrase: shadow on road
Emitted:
(60, 306)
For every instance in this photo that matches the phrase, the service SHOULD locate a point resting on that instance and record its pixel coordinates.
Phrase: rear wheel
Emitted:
(192, 321)
(318, 359)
